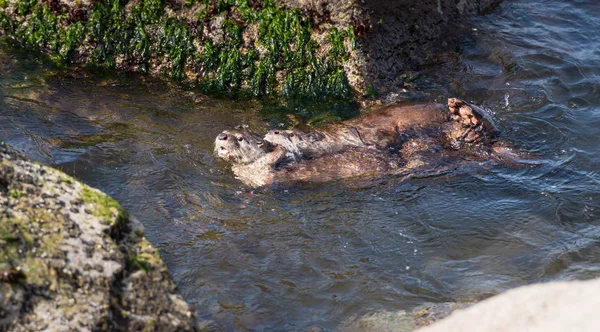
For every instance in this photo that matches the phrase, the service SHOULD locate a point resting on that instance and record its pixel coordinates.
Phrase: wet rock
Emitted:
(401, 321)
(395, 36)
(60, 268)
(293, 47)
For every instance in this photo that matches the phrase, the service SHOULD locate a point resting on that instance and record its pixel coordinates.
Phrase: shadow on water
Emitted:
(314, 256)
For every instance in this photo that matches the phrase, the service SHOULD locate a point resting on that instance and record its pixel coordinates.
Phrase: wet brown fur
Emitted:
(274, 167)
(423, 132)
(390, 126)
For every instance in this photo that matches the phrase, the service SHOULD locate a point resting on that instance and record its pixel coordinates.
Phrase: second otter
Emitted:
(390, 126)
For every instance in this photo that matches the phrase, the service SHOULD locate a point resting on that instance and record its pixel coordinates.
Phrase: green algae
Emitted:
(103, 206)
(22, 243)
(140, 263)
(371, 91)
(282, 60)
(143, 256)
(15, 193)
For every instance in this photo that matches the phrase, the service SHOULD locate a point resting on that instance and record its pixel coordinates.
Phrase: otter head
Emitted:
(239, 147)
(287, 139)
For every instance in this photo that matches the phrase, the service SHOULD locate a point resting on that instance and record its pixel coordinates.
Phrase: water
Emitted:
(314, 257)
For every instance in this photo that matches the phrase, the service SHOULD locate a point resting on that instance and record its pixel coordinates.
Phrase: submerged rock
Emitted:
(72, 259)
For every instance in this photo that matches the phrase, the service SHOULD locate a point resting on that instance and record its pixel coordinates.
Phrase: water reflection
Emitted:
(313, 256)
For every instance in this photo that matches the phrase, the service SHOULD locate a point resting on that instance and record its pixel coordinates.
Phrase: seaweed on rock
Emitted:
(256, 48)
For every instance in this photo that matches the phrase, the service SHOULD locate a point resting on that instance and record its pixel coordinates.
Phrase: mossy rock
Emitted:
(71, 257)
(254, 48)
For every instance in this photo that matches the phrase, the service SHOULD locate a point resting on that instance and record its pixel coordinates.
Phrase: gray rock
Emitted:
(63, 269)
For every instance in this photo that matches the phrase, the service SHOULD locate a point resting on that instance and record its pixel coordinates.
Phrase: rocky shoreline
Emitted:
(289, 48)
(70, 257)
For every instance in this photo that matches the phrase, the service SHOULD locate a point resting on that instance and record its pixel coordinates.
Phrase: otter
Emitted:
(253, 164)
(261, 165)
(422, 133)
(241, 148)
(391, 126)
(317, 143)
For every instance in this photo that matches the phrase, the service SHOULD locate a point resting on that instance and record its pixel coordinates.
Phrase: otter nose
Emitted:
(276, 132)
(222, 137)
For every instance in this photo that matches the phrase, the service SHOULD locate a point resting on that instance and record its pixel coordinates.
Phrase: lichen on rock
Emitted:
(71, 257)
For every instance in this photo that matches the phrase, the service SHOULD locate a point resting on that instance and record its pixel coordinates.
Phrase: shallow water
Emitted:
(318, 256)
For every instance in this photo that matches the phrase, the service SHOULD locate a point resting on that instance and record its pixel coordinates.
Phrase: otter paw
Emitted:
(477, 124)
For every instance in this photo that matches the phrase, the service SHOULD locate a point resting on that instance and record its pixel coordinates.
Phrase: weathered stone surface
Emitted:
(555, 306)
(71, 259)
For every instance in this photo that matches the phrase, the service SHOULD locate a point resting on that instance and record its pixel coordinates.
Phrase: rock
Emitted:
(400, 321)
(63, 268)
(395, 36)
(555, 306)
(289, 47)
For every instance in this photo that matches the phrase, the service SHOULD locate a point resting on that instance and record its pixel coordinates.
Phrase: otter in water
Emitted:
(241, 148)
(259, 166)
(252, 162)
(391, 126)
(317, 143)
(425, 130)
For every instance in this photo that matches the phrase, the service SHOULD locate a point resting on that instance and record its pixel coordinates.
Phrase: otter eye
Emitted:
(240, 138)
(291, 134)
(276, 132)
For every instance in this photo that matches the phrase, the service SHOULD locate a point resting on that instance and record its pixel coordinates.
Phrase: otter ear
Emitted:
(316, 136)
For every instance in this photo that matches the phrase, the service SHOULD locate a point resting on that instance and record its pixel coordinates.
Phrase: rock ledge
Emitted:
(72, 259)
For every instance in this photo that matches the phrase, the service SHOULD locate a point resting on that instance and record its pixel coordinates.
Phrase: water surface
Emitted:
(315, 256)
